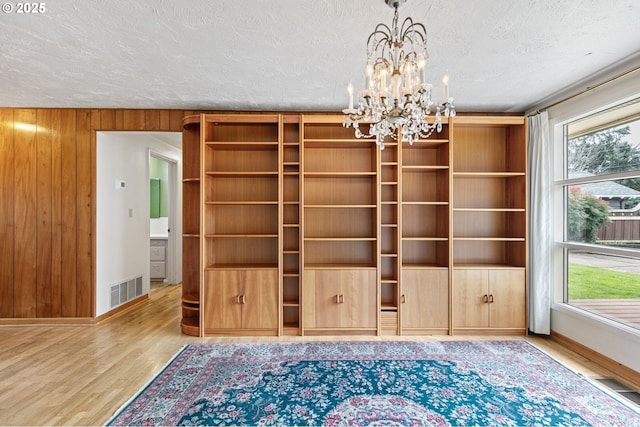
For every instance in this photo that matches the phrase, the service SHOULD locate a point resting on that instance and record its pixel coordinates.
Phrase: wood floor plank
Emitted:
(81, 375)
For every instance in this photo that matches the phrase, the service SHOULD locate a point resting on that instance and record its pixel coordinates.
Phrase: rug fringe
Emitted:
(126, 404)
(601, 387)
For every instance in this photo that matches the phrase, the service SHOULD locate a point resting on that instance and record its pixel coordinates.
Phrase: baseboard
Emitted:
(48, 321)
(617, 368)
(122, 308)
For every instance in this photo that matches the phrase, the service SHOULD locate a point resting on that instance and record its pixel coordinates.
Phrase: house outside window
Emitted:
(601, 190)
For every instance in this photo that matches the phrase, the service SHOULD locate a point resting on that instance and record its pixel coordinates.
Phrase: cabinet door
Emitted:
(222, 309)
(339, 299)
(260, 303)
(425, 299)
(358, 304)
(470, 290)
(508, 309)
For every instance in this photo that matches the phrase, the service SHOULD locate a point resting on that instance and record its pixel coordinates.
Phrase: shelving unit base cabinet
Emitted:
(425, 301)
(340, 302)
(241, 302)
(488, 300)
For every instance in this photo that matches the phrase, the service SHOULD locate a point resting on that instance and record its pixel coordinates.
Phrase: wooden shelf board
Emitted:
(242, 145)
(191, 235)
(340, 206)
(388, 281)
(487, 174)
(388, 306)
(424, 239)
(241, 202)
(340, 267)
(389, 225)
(390, 183)
(241, 236)
(434, 203)
(339, 239)
(292, 303)
(489, 239)
(423, 168)
(291, 225)
(243, 173)
(475, 266)
(425, 143)
(488, 209)
(424, 266)
(290, 274)
(191, 298)
(389, 255)
(338, 174)
(190, 321)
(242, 267)
(191, 180)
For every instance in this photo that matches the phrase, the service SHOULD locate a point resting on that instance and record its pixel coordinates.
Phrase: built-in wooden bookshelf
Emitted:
(489, 224)
(292, 226)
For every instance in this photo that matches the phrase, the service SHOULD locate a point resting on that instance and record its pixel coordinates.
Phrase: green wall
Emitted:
(159, 197)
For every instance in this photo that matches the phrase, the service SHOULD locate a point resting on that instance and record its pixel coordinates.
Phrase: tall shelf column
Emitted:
(240, 224)
(340, 229)
(425, 228)
(191, 207)
(389, 238)
(489, 224)
(291, 236)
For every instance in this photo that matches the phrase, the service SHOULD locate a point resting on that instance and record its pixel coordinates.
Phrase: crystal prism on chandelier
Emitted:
(397, 95)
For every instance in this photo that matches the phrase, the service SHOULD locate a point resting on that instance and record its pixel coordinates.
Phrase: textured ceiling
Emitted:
(501, 55)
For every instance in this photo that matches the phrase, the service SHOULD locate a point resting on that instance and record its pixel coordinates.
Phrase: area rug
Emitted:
(371, 383)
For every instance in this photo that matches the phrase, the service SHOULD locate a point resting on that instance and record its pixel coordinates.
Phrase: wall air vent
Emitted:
(123, 292)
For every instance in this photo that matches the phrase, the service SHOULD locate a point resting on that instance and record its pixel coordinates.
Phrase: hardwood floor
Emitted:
(81, 375)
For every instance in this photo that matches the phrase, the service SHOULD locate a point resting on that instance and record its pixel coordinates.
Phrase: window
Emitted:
(602, 213)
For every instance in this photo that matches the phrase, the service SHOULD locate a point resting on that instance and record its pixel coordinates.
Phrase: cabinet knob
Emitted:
(403, 299)
(341, 299)
(491, 299)
(337, 299)
(241, 299)
(485, 298)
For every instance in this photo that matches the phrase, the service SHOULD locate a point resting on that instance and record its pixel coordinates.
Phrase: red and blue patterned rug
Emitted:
(371, 383)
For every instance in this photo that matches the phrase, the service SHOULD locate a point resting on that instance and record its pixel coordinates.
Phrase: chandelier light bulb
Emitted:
(403, 102)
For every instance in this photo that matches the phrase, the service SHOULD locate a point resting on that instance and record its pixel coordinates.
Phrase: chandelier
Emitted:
(397, 95)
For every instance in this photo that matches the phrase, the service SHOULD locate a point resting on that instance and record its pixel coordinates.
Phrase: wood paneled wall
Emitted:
(47, 205)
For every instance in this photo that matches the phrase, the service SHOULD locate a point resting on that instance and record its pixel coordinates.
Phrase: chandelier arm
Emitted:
(382, 29)
(415, 28)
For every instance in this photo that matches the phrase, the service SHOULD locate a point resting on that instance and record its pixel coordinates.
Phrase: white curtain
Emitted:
(540, 225)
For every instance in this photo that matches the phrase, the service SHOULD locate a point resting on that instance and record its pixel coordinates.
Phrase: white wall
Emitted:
(122, 229)
(609, 338)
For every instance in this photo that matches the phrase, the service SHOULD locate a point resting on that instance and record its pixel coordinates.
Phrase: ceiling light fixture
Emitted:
(397, 95)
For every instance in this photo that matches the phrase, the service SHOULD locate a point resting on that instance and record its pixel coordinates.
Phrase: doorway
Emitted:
(162, 180)
(123, 227)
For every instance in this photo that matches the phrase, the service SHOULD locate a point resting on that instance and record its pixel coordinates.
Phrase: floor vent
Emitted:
(621, 389)
(125, 291)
